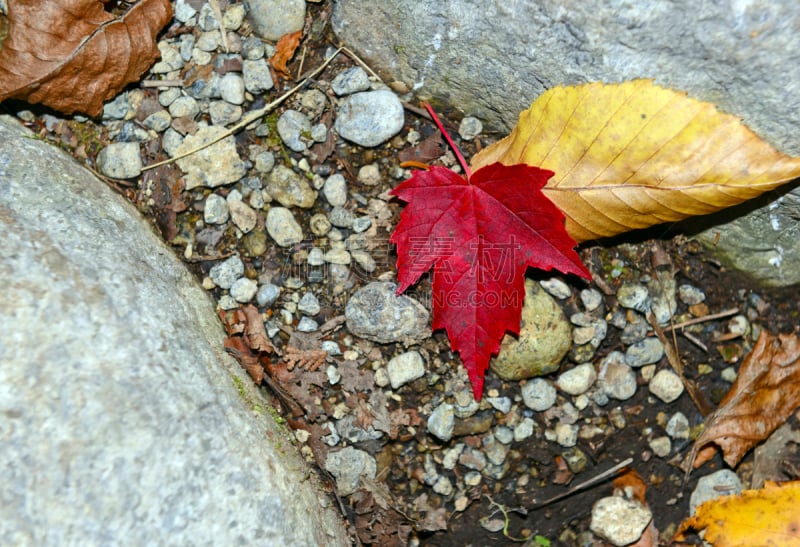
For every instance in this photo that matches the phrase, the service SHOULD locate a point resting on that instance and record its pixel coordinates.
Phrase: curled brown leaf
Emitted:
(72, 55)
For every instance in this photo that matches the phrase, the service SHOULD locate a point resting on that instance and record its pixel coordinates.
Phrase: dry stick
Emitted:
(703, 319)
(218, 14)
(585, 484)
(162, 83)
(251, 117)
(677, 365)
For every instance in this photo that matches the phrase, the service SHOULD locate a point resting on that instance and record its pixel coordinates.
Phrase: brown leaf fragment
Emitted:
(255, 332)
(284, 51)
(764, 395)
(425, 152)
(308, 359)
(72, 55)
(236, 347)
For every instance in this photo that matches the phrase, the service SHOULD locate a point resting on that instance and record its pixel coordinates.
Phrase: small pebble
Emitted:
(523, 429)
(158, 121)
(347, 466)
(225, 273)
(678, 426)
(566, 434)
(618, 520)
(556, 288)
(306, 324)
(405, 368)
(578, 379)
(661, 446)
(634, 296)
(442, 421)
(282, 227)
(292, 126)
(231, 88)
(369, 174)
(243, 290)
(242, 215)
(469, 128)
(271, 19)
(335, 190)
(337, 256)
(120, 160)
(224, 113)
(216, 210)
(309, 304)
(690, 295)
(350, 81)
(503, 434)
(361, 224)
(267, 295)
(264, 161)
(320, 225)
(591, 299)
(650, 350)
(666, 385)
(370, 118)
(634, 331)
(729, 374)
(617, 379)
(538, 394)
(184, 107)
(341, 217)
(500, 404)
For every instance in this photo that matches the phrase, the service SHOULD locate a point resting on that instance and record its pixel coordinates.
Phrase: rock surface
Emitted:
(492, 58)
(126, 421)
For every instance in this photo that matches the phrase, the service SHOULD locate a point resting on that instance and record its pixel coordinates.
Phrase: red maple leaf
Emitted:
(479, 234)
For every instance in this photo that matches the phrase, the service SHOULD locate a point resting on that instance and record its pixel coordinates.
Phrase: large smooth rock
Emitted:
(492, 58)
(122, 421)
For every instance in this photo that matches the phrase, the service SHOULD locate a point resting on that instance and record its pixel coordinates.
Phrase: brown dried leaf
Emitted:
(255, 332)
(248, 360)
(308, 359)
(72, 56)
(284, 51)
(764, 395)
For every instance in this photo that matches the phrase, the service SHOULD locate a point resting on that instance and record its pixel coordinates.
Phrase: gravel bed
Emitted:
(291, 215)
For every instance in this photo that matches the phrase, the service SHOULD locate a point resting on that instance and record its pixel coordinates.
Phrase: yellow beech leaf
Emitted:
(632, 155)
(756, 518)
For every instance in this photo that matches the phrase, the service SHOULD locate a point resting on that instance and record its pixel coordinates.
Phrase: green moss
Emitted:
(256, 407)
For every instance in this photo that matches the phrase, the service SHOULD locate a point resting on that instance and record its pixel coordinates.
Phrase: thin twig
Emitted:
(670, 350)
(251, 117)
(218, 14)
(162, 83)
(703, 319)
(693, 339)
(585, 484)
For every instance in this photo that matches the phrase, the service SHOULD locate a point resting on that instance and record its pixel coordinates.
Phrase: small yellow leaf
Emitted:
(632, 155)
(766, 517)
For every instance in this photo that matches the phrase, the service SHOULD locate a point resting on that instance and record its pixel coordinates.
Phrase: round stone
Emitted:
(691, 295)
(350, 81)
(556, 287)
(577, 380)
(544, 338)
(405, 368)
(293, 127)
(618, 520)
(120, 160)
(469, 128)
(617, 379)
(538, 394)
(257, 77)
(267, 295)
(376, 313)
(309, 304)
(271, 19)
(289, 188)
(216, 210)
(335, 190)
(666, 385)
(647, 351)
(225, 273)
(243, 290)
(634, 296)
(370, 118)
(442, 422)
(282, 227)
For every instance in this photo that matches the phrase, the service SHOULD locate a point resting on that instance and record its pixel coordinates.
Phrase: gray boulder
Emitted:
(492, 58)
(123, 421)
